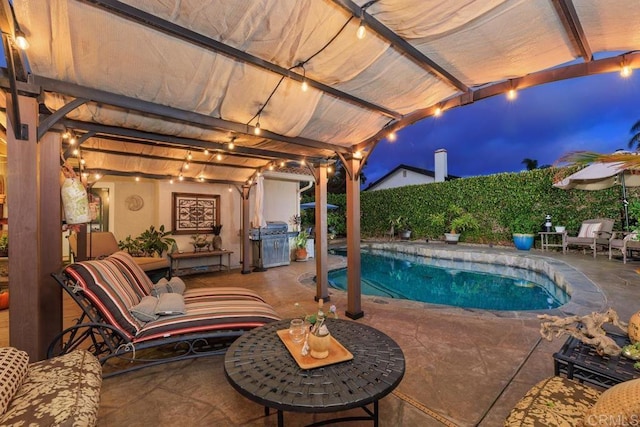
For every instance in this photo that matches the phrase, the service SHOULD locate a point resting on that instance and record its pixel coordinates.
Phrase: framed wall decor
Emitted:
(195, 213)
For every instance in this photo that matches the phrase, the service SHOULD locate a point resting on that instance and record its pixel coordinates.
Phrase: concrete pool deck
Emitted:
(463, 367)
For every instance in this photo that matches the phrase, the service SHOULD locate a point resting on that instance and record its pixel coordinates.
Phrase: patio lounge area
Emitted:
(463, 367)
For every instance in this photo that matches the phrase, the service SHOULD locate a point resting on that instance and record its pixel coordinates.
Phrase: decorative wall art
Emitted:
(195, 213)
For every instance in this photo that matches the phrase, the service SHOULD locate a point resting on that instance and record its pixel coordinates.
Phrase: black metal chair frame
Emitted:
(92, 332)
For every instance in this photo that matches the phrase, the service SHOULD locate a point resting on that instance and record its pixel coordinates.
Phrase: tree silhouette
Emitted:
(635, 139)
(531, 164)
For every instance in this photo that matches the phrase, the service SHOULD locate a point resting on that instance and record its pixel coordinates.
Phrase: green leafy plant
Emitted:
(524, 224)
(4, 242)
(300, 241)
(151, 242)
(455, 220)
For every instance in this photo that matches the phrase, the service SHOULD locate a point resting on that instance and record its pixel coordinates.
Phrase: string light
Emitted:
(171, 181)
(231, 144)
(137, 179)
(180, 177)
(206, 152)
(625, 71)
(282, 164)
(357, 154)
(302, 162)
(66, 134)
(72, 140)
(270, 166)
(189, 156)
(305, 85)
(76, 152)
(97, 176)
(438, 112)
(362, 30)
(391, 136)
(186, 165)
(219, 157)
(329, 169)
(512, 94)
(229, 189)
(21, 40)
(257, 130)
(82, 161)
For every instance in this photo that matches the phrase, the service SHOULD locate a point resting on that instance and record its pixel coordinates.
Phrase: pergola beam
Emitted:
(402, 45)
(597, 66)
(141, 137)
(171, 159)
(571, 23)
(112, 172)
(143, 18)
(164, 111)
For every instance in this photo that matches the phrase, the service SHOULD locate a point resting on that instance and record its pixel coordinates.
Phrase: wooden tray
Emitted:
(337, 352)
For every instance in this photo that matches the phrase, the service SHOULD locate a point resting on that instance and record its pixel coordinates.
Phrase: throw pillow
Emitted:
(589, 230)
(145, 310)
(170, 304)
(160, 287)
(176, 285)
(617, 406)
(14, 365)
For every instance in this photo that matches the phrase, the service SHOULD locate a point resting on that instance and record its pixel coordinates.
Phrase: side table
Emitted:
(545, 244)
(580, 361)
(259, 366)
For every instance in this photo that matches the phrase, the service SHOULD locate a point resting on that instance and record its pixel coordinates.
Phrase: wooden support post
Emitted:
(246, 242)
(354, 288)
(35, 315)
(321, 244)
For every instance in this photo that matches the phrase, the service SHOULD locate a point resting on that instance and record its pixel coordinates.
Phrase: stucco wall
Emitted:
(398, 179)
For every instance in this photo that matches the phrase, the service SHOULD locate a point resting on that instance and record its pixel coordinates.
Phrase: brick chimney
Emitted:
(440, 159)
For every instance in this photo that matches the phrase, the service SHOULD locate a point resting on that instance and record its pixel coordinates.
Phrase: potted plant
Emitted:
(454, 222)
(131, 245)
(523, 228)
(300, 244)
(4, 245)
(404, 227)
(216, 242)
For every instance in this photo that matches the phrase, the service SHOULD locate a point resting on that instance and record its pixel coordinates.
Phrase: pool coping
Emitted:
(585, 295)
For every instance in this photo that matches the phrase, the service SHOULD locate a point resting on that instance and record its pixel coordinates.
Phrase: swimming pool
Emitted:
(455, 283)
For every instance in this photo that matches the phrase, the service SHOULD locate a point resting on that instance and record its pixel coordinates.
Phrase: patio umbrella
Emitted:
(598, 176)
(312, 205)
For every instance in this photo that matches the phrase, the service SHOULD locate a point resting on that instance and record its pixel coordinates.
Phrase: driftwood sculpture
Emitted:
(587, 329)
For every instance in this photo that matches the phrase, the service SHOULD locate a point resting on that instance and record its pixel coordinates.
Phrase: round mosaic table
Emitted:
(259, 366)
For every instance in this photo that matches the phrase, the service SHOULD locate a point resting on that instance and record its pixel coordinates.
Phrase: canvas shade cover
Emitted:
(598, 176)
(160, 78)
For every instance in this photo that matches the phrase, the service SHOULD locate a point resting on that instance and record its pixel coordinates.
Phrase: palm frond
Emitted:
(629, 160)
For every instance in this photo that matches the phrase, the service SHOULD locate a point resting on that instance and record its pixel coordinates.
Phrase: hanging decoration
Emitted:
(75, 201)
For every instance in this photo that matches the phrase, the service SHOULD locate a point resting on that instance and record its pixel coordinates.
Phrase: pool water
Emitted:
(455, 283)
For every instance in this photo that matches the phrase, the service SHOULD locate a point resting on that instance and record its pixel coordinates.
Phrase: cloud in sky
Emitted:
(544, 122)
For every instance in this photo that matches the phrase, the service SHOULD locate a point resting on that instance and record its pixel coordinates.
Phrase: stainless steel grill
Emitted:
(270, 245)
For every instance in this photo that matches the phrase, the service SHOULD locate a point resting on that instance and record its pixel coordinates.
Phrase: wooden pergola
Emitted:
(139, 84)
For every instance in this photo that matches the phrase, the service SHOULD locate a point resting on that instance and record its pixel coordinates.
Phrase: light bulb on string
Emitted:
(282, 164)
(302, 162)
(391, 136)
(512, 94)
(72, 140)
(438, 112)
(66, 134)
(180, 177)
(97, 176)
(21, 40)
(171, 181)
(219, 157)
(625, 71)
(186, 165)
(229, 189)
(231, 144)
(137, 179)
(189, 156)
(206, 152)
(76, 152)
(257, 130)
(362, 30)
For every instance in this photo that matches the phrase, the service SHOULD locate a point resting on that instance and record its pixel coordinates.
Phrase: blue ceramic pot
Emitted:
(523, 242)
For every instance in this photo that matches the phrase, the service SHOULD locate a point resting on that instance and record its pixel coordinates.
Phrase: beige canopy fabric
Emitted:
(598, 176)
(165, 78)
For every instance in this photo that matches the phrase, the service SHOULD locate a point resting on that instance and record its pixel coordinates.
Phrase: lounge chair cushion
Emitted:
(589, 230)
(135, 272)
(14, 365)
(110, 291)
(145, 310)
(210, 315)
(170, 304)
(620, 402)
(555, 401)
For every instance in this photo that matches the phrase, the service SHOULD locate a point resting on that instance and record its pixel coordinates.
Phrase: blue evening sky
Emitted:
(494, 135)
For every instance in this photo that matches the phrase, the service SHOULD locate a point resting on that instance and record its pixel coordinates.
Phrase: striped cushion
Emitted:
(110, 292)
(220, 293)
(134, 272)
(203, 316)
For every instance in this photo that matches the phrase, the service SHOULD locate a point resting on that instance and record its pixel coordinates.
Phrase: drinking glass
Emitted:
(296, 330)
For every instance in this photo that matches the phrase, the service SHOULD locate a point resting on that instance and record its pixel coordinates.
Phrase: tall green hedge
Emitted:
(495, 200)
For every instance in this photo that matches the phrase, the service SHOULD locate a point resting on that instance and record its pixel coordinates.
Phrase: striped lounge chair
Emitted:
(127, 316)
